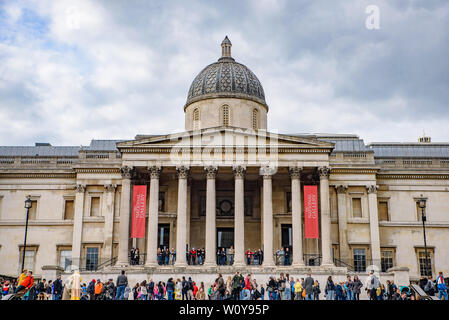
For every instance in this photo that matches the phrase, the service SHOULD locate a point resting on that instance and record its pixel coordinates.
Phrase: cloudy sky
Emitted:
(72, 71)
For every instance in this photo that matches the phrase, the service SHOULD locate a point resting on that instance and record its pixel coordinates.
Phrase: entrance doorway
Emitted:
(286, 236)
(163, 236)
(225, 239)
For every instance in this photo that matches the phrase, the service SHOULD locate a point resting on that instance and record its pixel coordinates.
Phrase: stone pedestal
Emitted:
(401, 276)
(51, 272)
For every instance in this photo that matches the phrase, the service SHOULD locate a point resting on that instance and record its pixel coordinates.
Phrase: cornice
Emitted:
(354, 170)
(32, 175)
(97, 170)
(413, 176)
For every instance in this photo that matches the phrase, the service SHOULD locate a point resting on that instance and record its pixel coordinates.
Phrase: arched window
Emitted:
(255, 119)
(196, 119)
(225, 115)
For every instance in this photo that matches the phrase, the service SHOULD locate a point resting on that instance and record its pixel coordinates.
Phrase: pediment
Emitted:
(225, 138)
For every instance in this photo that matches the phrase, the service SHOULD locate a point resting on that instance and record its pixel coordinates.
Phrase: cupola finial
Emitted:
(226, 48)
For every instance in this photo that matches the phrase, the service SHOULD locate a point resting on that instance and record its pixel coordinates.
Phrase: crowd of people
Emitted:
(237, 287)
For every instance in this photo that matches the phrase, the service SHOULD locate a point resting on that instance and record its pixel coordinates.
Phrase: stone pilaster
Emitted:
(181, 223)
(108, 218)
(374, 224)
(153, 217)
(295, 175)
(342, 223)
(326, 243)
(211, 246)
(125, 207)
(239, 216)
(78, 224)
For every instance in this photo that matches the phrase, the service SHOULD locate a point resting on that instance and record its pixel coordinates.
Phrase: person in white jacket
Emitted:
(371, 285)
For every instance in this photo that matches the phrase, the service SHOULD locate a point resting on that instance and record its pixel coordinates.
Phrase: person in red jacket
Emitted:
(249, 255)
(27, 283)
(195, 289)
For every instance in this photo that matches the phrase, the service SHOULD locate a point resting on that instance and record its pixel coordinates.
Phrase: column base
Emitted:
(239, 264)
(298, 265)
(121, 264)
(209, 264)
(151, 265)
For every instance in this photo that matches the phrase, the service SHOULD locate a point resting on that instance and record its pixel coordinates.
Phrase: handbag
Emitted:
(303, 293)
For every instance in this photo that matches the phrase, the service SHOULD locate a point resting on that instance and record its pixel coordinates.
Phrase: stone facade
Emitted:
(232, 179)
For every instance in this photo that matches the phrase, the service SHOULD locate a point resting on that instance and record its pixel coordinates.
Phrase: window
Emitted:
(69, 210)
(196, 119)
(65, 259)
(383, 210)
(421, 254)
(225, 118)
(359, 260)
(95, 206)
(161, 206)
(255, 119)
(91, 258)
(30, 256)
(33, 210)
(288, 196)
(356, 207)
(386, 259)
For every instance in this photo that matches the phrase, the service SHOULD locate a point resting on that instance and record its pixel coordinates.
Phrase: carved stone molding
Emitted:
(80, 188)
(211, 172)
(110, 187)
(126, 172)
(372, 188)
(183, 172)
(239, 172)
(295, 172)
(155, 172)
(324, 172)
(341, 188)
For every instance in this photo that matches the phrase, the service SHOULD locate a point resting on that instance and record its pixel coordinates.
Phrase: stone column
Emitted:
(268, 260)
(374, 224)
(123, 247)
(298, 258)
(181, 223)
(78, 225)
(211, 246)
(109, 218)
(153, 215)
(342, 223)
(326, 243)
(239, 216)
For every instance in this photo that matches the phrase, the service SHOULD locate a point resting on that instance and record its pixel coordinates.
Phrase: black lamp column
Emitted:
(28, 205)
(422, 205)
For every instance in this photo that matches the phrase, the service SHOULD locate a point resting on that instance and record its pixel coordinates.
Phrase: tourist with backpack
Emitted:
(329, 290)
(371, 285)
(429, 288)
(441, 286)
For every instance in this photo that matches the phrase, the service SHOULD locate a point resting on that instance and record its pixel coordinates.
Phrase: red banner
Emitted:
(139, 208)
(311, 212)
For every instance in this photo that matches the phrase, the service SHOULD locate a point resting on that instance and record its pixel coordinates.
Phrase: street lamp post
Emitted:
(422, 205)
(28, 205)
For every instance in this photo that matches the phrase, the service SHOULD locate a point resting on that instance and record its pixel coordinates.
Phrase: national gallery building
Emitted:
(227, 182)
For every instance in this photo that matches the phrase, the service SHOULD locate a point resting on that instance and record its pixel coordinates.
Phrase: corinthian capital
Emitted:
(341, 188)
(239, 171)
(110, 187)
(126, 172)
(372, 188)
(80, 188)
(295, 172)
(267, 171)
(324, 172)
(155, 172)
(183, 172)
(211, 171)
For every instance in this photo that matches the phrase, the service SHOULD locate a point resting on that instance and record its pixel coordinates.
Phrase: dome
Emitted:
(226, 78)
